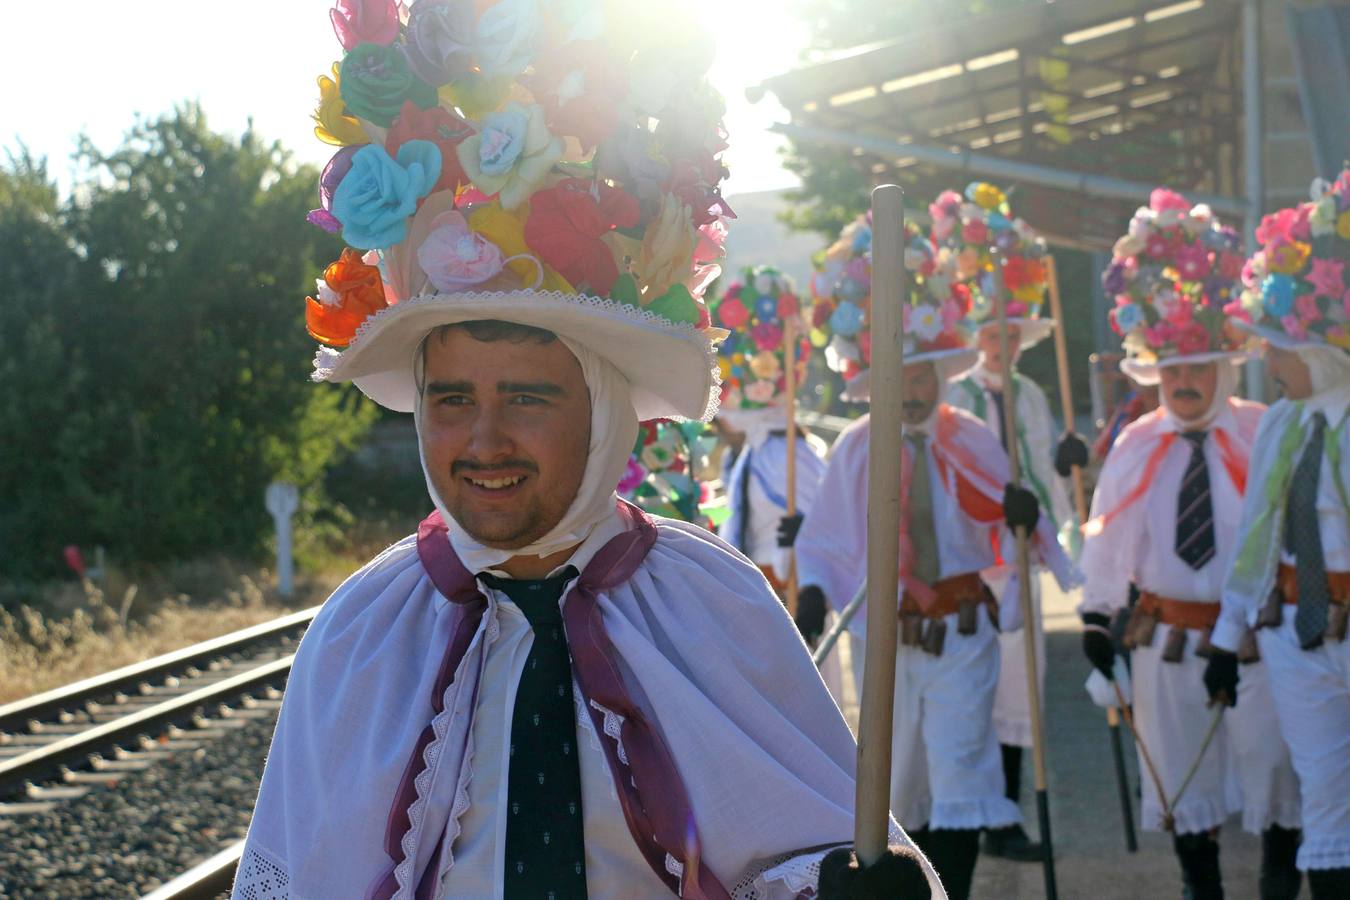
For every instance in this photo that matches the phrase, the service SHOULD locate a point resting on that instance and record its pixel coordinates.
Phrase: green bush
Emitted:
(155, 364)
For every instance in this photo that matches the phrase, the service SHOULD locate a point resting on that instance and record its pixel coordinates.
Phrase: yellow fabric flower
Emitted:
(1288, 259)
(332, 125)
(765, 365)
(987, 196)
(1031, 293)
(1339, 336)
(507, 231)
(1343, 226)
(667, 249)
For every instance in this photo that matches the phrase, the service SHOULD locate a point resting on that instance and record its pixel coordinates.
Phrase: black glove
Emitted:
(1070, 452)
(1097, 645)
(810, 616)
(788, 526)
(1020, 507)
(896, 876)
(1221, 678)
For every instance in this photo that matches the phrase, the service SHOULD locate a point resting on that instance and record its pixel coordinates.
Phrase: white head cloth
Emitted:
(614, 428)
(1225, 383)
(1329, 367)
(757, 424)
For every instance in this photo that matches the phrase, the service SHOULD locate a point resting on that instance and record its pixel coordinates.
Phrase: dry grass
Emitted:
(83, 630)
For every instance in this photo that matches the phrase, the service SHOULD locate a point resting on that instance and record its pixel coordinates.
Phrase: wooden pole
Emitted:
(1065, 389)
(790, 360)
(876, 719)
(1024, 586)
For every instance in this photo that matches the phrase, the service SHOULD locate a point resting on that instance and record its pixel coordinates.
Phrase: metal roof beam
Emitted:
(998, 167)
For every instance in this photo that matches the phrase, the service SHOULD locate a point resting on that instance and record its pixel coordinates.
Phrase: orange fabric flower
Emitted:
(350, 292)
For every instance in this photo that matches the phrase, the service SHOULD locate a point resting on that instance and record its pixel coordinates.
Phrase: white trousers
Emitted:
(1244, 768)
(1312, 696)
(1012, 705)
(946, 771)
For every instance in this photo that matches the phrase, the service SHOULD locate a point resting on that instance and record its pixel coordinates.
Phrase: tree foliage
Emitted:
(155, 365)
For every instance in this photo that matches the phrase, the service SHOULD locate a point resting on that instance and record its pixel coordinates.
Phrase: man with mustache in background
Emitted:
(1291, 581)
(1164, 517)
(947, 777)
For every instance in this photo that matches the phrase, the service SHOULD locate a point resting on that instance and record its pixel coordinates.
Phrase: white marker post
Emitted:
(282, 501)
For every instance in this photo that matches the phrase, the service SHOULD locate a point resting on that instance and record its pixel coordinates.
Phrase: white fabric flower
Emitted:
(926, 322)
(506, 37)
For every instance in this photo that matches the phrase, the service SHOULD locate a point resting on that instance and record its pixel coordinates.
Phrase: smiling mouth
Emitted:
(495, 484)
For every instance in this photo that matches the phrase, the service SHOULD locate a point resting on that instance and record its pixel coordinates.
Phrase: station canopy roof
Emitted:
(1083, 105)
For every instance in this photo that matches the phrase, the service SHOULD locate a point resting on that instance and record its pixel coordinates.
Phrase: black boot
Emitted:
(953, 852)
(1280, 878)
(1011, 841)
(1329, 884)
(1199, 857)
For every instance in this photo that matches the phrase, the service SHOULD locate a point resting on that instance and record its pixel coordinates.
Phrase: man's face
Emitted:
(920, 392)
(988, 343)
(1291, 374)
(1188, 389)
(506, 434)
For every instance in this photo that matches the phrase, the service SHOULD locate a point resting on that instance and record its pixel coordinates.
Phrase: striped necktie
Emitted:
(1303, 538)
(1195, 508)
(922, 531)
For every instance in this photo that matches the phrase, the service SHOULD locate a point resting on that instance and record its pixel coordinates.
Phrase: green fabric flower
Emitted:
(376, 81)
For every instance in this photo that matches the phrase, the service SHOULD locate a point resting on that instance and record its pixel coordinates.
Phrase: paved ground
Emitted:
(1090, 856)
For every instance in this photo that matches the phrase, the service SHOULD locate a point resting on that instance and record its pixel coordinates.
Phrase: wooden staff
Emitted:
(1024, 586)
(1076, 537)
(790, 358)
(877, 714)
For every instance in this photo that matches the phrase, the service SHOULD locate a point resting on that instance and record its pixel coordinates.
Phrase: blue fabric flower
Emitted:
(1129, 317)
(766, 308)
(847, 319)
(851, 290)
(1277, 295)
(862, 240)
(375, 199)
(997, 221)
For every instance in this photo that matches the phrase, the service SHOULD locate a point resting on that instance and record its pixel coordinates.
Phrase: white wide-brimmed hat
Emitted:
(671, 367)
(951, 364)
(1148, 373)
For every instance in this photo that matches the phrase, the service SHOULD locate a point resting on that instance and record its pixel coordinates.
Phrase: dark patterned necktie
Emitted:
(1303, 538)
(997, 397)
(922, 531)
(545, 844)
(1195, 508)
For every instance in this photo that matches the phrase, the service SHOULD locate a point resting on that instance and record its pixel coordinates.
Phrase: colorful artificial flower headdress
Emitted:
(1298, 283)
(755, 309)
(842, 295)
(660, 474)
(970, 229)
(500, 146)
(1172, 281)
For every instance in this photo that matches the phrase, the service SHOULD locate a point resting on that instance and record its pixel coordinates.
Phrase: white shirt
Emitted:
(756, 473)
(1243, 597)
(832, 544)
(1140, 544)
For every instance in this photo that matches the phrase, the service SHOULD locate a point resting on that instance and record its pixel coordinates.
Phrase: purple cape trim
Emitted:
(662, 828)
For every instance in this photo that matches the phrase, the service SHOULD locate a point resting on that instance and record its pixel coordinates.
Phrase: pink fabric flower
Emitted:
(633, 475)
(1230, 266)
(1306, 307)
(1192, 338)
(731, 313)
(455, 257)
(951, 313)
(1192, 262)
(365, 22)
(1294, 328)
(974, 232)
(1327, 277)
(787, 306)
(1157, 245)
(1290, 223)
(1159, 335)
(712, 238)
(1163, 199)
(1016, 308)
(767, 336)
(1180, 312)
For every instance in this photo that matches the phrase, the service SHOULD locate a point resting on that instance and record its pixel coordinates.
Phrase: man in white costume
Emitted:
(754, 408)
(1291, 580)
(947, 780)
(1164, 518)
(974, 234)
(981, 394)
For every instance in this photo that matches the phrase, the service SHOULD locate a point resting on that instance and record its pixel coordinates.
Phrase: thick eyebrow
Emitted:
(545, 388)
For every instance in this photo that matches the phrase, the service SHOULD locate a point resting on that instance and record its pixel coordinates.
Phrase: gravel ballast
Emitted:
(125, 840)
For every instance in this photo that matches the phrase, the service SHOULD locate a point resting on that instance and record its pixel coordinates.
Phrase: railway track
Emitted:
(63, 743)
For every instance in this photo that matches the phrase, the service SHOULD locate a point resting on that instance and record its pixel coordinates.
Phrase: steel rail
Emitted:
(16, 717)
(204, 881)
(47, 761)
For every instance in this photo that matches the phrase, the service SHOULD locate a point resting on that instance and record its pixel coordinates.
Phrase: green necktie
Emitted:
(922, 534)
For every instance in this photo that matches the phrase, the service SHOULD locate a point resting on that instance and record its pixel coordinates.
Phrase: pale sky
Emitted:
(102, 63)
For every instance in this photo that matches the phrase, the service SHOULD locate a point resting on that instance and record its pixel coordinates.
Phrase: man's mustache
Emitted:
(468, 465)
(915, 405)
(1186, 394)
